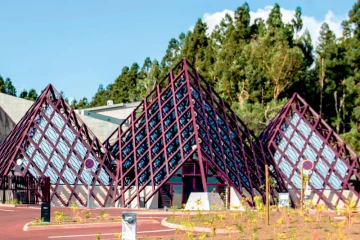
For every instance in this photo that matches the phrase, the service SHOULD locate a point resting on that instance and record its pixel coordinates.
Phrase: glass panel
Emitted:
(316, 141)
(328, 154)
(289, 130)
(304, 129)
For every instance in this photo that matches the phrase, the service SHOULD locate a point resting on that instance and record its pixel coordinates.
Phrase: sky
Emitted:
(77, 45)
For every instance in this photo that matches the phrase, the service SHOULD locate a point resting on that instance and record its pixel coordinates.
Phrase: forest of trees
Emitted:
(256, 68)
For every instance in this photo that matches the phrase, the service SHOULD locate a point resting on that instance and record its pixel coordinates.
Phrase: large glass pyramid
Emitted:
(184, 130)
(51, 140)
(298, 133)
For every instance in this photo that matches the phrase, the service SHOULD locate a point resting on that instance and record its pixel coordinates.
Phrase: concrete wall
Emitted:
(100, 128)
(117, 113)
(153, 202)
(330, 196)
(15, 107)
(81, 190)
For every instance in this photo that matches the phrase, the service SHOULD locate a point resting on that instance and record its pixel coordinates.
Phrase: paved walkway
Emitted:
(12, 221)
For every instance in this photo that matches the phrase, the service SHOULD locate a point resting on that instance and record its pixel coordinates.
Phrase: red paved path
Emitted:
(12, 221)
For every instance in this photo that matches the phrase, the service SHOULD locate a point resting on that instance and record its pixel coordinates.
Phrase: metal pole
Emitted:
(267, 219)
(302, 187)
(226, 196)
(88, 200)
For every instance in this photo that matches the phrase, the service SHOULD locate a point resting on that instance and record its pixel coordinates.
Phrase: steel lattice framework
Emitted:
(50, 140)
(182, 118)
(298, 133)
(6, 124)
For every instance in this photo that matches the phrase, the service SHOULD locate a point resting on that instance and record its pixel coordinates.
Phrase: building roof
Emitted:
(16, 108)
(116, 106)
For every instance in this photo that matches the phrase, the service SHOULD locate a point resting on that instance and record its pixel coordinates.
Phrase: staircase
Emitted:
(165, 196)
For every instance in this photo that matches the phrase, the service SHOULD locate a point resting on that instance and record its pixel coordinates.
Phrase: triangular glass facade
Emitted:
(184, 129)
(298, 133)
(51, 140)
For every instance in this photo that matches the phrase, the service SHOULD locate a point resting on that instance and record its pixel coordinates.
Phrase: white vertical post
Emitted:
(226, 196)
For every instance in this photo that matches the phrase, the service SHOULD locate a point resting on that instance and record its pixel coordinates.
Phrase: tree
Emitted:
(282, 63)
(354, 19)
(149, 77)
(73, 104)
(297, 22)
(197, 49)
(173, 54)
(325, 51)
(100, 88)
(32, 95)
(83, 103)
(274, 21)
(9, 88)
(24, 94)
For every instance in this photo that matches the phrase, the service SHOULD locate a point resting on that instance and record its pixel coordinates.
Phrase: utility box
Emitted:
(128, 226)
(142, 202)
(45, 212)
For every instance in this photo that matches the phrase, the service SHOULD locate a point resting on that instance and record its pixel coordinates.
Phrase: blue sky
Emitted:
(78, 44)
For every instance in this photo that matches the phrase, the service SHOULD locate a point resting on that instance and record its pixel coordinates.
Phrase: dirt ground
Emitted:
(284, 224)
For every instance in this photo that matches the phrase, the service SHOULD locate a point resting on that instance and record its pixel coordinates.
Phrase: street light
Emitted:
(19, 161)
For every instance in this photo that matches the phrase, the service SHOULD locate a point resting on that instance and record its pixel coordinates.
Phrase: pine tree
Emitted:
(297, 22)
(24, 94)
(9, 88)
(32, 95)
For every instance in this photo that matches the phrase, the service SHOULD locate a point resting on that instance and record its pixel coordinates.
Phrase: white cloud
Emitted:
(309, 22)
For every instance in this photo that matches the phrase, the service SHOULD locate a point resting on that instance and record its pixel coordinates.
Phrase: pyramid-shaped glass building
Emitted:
(52, 141)
(184, 138)
(297, 134)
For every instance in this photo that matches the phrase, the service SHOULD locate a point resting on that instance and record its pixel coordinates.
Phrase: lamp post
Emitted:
(89, 164)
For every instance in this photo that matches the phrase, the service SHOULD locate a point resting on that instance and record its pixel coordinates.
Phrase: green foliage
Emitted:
(13, 201)
(31, 95)
(37, 221)
(104, 215)
(118, 235)
(59, 217)
(98, 236)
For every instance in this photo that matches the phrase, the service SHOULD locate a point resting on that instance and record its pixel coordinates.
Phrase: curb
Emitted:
(20, 206)
(195, 229)
(25, 228)
(84, 225)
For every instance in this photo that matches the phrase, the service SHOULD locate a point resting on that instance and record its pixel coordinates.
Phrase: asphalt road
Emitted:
(12, 221)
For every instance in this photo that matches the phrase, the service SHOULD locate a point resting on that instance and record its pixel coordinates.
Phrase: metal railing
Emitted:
(24, 190)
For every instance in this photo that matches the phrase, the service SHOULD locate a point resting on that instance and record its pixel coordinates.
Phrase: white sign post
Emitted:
(89, 164)
(128, 226)
(284, 200)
